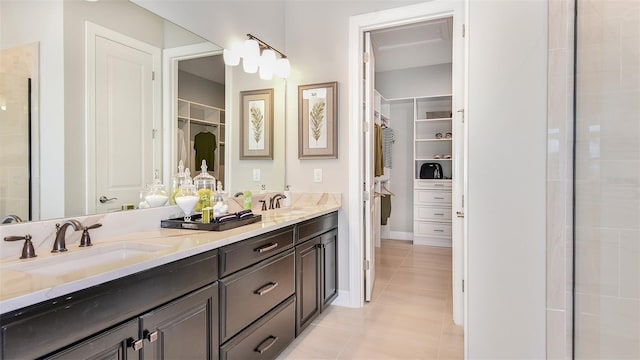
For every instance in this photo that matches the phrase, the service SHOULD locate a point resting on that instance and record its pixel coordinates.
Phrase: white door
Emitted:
(368, 151)
(124, 117)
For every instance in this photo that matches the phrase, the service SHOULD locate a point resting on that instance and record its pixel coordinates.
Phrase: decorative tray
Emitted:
(197, 224)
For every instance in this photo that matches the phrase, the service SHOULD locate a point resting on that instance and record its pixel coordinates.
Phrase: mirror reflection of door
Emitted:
(123, 114)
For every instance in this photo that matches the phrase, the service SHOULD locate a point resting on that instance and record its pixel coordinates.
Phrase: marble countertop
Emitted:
(26, 282)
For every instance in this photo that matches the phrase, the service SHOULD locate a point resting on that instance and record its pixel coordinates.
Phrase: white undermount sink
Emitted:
(81, 259)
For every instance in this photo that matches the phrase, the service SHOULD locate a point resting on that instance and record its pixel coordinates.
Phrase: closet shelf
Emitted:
(432, 120)
(429, 140)
(431, 159)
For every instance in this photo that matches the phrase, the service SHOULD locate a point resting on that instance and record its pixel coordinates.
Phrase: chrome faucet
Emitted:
(10, 218)
(59, 244)
(276, 198)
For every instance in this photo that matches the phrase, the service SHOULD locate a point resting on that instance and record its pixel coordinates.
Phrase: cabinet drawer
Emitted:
(249, 294)
(240, 255)
(438, 197)
(432, 213)
(317, 226)
(431, 229)
(266, 338)
(433, 184)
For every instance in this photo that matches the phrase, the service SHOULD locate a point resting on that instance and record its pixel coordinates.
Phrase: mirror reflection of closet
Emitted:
(201, 114)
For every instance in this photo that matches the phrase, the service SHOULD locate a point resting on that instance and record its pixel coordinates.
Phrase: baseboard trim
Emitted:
(400, 235)
(343, 299)
(432, 242)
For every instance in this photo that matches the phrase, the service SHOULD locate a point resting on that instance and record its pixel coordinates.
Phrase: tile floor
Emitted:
(409, 317)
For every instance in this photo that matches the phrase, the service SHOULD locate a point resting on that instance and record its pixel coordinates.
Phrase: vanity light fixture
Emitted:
(266, 62)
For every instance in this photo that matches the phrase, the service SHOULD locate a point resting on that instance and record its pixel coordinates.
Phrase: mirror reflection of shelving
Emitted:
(194, 118)
(433, 133)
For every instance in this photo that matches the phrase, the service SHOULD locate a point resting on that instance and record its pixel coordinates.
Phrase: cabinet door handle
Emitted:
(438, 230)
(265, 289)
(152, 337)
(136, 345)
(266, 344)
(438, 214)
(266, 248)
(438, 198)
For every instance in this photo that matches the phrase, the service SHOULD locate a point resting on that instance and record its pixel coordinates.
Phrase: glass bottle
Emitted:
(205, 186)
(175, 182)
(187, 197)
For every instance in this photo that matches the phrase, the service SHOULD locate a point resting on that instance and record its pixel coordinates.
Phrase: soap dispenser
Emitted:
(157, 195)
(175, 182)
(205, 186)
(187, 197)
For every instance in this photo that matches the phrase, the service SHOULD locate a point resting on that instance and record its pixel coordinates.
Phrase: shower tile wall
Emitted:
(608, 180)
(16, 66)
(559, 178)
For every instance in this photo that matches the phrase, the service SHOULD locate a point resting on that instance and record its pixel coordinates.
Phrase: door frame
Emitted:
(92, 31)
(357, 26)
(170, 61)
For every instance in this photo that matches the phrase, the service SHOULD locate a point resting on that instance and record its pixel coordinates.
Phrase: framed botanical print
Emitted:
(256, 124)
(317, 121)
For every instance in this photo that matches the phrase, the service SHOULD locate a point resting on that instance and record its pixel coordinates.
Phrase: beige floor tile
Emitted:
(318, 342)
(409, 317)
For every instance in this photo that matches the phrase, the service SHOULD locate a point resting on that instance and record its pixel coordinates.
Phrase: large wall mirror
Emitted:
(62, 71)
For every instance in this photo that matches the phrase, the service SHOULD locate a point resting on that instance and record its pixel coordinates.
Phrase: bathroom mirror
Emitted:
(61, 140)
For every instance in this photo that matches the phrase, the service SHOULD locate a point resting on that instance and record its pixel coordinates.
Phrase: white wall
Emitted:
(241, 172)
(48, 33)
(506, 117)
(225, 22)
(401, 184)
(421, 81)
(200, 90)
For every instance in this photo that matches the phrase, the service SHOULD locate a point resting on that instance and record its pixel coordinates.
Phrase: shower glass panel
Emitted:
(607, 180)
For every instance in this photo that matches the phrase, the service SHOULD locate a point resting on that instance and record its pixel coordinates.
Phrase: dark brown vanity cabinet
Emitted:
(183, 329)
(257, 296)
(316, 268)
(167, 304)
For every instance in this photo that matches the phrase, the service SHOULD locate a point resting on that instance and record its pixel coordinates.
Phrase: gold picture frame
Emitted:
(318, 121)
(256, 124)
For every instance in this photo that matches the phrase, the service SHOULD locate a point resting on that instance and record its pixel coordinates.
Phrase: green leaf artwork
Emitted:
(256, 123)
(317, 119)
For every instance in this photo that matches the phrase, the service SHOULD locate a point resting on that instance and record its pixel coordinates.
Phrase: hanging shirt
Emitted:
(182, 148)
(205, 146)
(378, 166)
(387, 143)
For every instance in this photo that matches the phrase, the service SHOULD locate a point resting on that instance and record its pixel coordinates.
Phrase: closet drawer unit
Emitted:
(266, 338)
(431, 213)
(435, 197)
(245, 253)
(431, 229)
(433, 184)
(247, 295)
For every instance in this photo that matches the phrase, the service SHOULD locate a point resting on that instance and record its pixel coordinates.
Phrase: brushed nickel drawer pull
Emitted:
(262, 347)
(438, 185)
(266, 248)
(438, 214)
(135, 344)
(438, 198)
(265, 289)
(438, 230)
(152, 337)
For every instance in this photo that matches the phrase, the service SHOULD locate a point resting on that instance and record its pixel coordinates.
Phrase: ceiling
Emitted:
(414, 45)
(208, 67)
